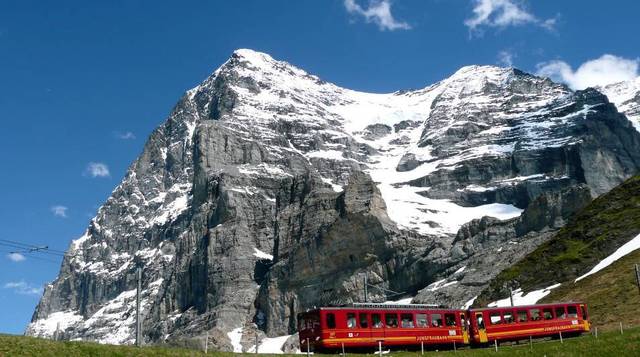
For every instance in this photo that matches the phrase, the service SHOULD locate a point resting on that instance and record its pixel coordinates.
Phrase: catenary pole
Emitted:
(138, 322)
(365, 287)
(638, 276)
(511, 296)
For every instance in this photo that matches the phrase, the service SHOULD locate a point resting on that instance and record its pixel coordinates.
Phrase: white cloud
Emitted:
(97, 169)
(59, 211)
(503, 13)
(505, 58)
(597, 72)
(16, 257)
(126, 135)
(378, 12)
(23, 288)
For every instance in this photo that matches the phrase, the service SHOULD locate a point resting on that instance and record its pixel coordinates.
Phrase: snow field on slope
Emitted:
(47, 327)
(625, 249)
(413, 211)
(270, 345)
(235, 336)
(116, 318)
(520, 298)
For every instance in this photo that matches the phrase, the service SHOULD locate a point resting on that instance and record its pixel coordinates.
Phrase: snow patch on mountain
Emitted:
(262, 255)
(114, 323)
(521, 298)
(625, 249)
(413, 211)
(56, 321)
(235, 336)
(626, 97)
(270, 345)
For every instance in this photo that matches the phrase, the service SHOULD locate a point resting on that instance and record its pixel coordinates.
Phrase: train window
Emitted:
(522, 315)
(480, 321)
(376, 321)
(351, 320)
(406, 320)
(364, 321)
(421, 320)
(436, 320)
(508, 317)
(331, 320)
(450, 319)
(560, 313)
(584, 312)
(391, 320)
(572, 312)
(495, 318)
(535, 314)
(548, 314)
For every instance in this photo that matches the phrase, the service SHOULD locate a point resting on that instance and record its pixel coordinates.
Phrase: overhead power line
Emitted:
(27, 246)
(32, 257)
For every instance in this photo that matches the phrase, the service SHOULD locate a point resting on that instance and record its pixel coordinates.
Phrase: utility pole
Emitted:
(138, 322)
(511, 296)
(638, 276)
(206, 343)
(366, 283)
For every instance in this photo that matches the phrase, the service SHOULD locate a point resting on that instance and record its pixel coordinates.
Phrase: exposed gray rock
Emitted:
(268, 191)
(376, 131)
(292, 344)
(484, 247)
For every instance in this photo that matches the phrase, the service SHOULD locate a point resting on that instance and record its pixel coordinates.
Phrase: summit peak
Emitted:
(251, 55)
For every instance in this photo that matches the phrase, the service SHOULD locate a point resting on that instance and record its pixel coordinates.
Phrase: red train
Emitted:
(374, 325)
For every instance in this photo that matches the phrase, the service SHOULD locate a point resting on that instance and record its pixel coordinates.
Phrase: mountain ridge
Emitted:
(265, 160)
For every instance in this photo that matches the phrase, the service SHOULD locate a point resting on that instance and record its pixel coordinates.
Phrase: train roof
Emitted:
(382, 306)
(529, 306)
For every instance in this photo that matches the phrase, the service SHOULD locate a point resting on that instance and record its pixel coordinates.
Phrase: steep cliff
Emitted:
(268, 191)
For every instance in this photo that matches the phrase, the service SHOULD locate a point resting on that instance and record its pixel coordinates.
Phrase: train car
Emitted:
(366, 326)
(521, 322)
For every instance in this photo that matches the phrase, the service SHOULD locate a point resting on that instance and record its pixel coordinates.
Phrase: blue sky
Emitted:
(82, 83)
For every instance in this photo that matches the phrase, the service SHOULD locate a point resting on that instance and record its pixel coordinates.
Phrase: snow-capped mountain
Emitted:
(626, 96)
(268, 191)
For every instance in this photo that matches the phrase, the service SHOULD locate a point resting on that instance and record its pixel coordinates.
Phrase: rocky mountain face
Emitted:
(268, 191)
(626, 96)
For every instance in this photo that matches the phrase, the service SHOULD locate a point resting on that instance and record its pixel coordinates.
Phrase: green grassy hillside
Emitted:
(611, 294)
(31, 346)
(608, 344)
(591, 235)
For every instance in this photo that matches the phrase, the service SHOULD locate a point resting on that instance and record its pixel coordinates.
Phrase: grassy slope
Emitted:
(612, 294)
(608, 344)
(31, 346)
(591, 235)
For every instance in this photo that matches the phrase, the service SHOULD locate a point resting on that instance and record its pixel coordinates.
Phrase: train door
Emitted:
(585, 317)
(482, 331)
(464, 325)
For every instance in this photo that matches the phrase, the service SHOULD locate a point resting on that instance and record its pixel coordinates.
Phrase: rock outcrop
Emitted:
(268, 191)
